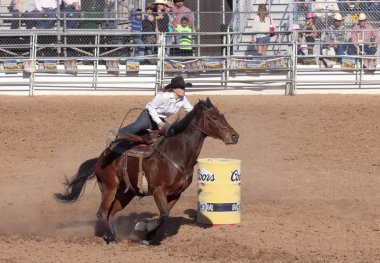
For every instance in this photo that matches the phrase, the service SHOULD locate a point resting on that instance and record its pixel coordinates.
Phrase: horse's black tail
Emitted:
(75, 184)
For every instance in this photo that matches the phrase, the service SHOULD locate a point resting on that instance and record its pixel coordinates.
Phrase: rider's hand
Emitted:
(161, 125)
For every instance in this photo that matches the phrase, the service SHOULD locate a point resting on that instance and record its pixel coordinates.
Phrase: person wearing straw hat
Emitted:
(337, 36)
(365, 37)
(162, 18)
(166, 103)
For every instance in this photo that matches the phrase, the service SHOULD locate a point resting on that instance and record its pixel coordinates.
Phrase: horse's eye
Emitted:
(214, 117)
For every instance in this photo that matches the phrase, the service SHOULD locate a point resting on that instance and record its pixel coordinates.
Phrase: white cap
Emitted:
(362, 17)
(338, 17)
(159, 2)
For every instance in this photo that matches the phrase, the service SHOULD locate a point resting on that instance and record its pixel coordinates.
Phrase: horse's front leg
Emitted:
(153, 225)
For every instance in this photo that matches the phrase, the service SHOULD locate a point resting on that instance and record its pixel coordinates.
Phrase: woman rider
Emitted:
(162, 106)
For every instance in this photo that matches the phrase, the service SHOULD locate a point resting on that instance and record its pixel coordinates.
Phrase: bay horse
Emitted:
(168, 170)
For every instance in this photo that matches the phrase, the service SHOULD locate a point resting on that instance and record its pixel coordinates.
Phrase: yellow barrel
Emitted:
(218, 191)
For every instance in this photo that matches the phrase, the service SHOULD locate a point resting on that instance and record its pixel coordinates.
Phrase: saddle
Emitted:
(143, 147)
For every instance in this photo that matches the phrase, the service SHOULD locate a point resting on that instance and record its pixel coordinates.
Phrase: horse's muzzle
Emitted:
(233, 139)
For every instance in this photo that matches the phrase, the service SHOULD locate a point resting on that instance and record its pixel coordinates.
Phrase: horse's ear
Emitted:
(208, 102)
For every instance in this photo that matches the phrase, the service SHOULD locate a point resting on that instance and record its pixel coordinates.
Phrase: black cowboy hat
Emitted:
(177, 82)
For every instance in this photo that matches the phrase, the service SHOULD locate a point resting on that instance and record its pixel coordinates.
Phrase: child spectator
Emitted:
(185, 39)
(180, 10)
(137, 28)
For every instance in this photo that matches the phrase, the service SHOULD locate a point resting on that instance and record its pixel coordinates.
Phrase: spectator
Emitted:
(260, 28)
(310, 32)
(337, 37)
(71, 9)
(123, 10)
(109, 12)
(149, 25)
(301, 47)
(185, 39)
(23, 9)
(364, 38)
(137, 28)
(169, 38)
(162, 18)
(324, 11)
(47, 10)
(180, 10)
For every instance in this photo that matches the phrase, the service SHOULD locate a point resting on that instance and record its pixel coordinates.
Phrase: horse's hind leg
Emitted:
(106, 206)
(121, 201)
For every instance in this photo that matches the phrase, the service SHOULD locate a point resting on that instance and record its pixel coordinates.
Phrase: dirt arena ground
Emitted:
(310, 182)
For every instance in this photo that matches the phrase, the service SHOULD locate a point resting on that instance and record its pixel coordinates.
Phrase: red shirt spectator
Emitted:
(366, 34)
(180, 10)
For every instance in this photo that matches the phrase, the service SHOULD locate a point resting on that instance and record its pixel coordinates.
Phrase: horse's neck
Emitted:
(188, 146)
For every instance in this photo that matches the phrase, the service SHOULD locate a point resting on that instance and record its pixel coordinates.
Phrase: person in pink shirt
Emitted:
(180, 10)
(365, 38)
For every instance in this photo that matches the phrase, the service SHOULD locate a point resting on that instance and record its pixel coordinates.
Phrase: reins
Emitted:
(126, 115)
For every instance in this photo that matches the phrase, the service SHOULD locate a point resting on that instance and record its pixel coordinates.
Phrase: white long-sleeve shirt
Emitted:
(70, 2)
(164, 104)
(46, 4)
(259, 26)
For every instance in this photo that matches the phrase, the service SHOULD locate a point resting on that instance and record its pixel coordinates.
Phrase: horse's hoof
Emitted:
(141, 226)
(110, 240)
(99, 230)
(152, 225)
(145, 242)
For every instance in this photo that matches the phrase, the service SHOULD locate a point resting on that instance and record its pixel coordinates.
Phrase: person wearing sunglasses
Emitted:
(149, 25)
(180, 10)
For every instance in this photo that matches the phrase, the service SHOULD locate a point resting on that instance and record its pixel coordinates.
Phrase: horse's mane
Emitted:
(180, 124)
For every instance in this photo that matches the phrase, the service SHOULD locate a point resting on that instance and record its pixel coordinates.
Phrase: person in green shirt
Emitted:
(185, 39)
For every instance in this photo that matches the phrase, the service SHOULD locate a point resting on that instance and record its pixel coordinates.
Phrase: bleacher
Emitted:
(222, 59)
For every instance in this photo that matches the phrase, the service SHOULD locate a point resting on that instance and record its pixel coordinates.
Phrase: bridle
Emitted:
(206, 115)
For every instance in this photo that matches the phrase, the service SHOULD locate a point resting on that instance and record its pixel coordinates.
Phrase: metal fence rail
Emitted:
(105, 64)
(222, 57)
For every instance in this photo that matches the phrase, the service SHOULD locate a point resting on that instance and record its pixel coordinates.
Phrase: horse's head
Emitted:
(215, 125)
